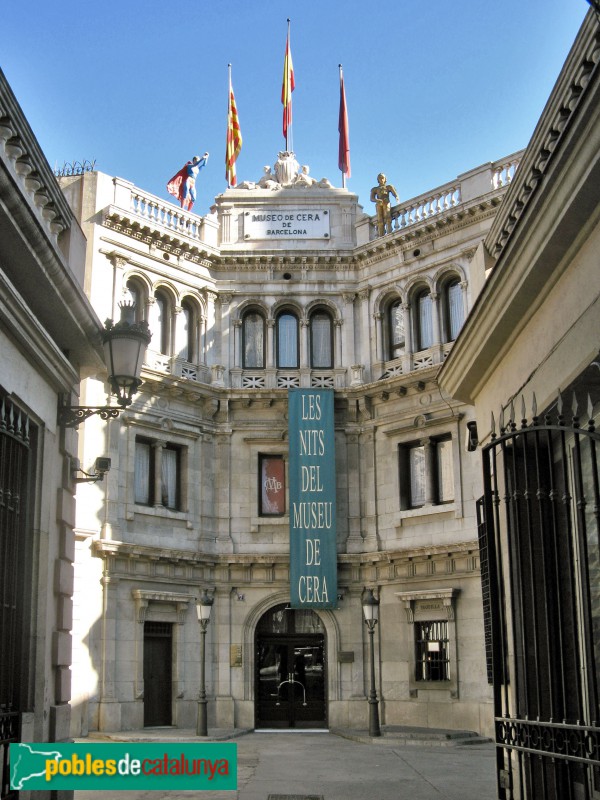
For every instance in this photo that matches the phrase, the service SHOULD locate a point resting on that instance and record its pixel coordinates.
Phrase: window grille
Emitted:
(431, 651)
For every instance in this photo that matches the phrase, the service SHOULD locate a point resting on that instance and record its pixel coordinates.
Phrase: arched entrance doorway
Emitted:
(290, 670)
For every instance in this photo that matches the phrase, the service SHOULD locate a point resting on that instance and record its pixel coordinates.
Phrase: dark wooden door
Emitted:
(157, 673)
(291, 682)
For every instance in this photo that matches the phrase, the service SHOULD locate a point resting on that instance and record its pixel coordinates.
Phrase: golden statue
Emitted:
(380, 195)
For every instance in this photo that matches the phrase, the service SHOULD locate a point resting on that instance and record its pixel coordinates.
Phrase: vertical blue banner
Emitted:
(313, 550)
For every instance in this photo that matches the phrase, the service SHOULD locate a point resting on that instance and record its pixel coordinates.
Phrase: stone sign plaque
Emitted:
(235, 655)
(286, 223)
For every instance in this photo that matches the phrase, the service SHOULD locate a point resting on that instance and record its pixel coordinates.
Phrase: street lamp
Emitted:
(125, 344)
(203, 609)
(371, 613)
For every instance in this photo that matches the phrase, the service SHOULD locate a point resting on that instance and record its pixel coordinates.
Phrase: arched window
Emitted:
(138, 296)
(395, 324)
(190, 332)
(423, 320)
(287, 340)
(253, 340)
(453, 309)
(321, 340)
(163, 320)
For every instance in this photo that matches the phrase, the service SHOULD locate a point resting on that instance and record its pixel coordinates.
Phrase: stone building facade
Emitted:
(49, 339)
(528, 359)
(285, 284)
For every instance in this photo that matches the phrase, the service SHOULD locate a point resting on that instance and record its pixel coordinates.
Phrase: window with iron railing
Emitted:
(432, 660)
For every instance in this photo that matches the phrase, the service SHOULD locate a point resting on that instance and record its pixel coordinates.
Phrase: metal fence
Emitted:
(541, 580)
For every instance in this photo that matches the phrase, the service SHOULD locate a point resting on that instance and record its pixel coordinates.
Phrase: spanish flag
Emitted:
(234, 138)
(288, 87)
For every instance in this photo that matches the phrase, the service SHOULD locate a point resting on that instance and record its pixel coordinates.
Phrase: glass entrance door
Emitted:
(290, 670)
(291, 685)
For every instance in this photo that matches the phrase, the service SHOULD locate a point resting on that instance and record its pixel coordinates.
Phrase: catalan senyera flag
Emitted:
(344, 131)
(287, 87)
(234, 139)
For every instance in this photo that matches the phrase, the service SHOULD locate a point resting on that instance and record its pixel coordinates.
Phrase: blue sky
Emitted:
(433, 88)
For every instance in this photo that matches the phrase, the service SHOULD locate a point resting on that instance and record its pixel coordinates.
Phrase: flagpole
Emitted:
(289, 136)
(228, 113)
(343, 173)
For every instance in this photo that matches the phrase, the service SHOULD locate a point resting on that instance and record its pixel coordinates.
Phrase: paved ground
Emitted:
(333, 767)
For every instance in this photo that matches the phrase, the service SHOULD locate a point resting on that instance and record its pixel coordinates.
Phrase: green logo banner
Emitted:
(118, 766)
(313, 550)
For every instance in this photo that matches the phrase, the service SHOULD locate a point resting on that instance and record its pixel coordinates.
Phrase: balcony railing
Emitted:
(413, 362)
(150, 212)
(477, 183)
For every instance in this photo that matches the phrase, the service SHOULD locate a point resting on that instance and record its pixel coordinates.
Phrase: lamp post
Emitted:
(125, 344)
(203, 609)
(371, 613)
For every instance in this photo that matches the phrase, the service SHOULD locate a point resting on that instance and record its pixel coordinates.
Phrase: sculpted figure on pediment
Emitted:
(303, 178)
(268, 180)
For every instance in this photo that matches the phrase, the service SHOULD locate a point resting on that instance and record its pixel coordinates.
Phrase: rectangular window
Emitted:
(152, 458)
(271, 490)
(416, 465)
(426, 472)
(431, 651)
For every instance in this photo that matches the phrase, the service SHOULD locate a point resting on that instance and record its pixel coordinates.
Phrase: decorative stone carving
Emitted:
(286, 172)
(303, 178)
(286, 168)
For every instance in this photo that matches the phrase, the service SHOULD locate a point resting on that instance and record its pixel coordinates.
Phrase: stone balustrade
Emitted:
(504, 172)
(159, 215)
(479, 182)
(425, 206)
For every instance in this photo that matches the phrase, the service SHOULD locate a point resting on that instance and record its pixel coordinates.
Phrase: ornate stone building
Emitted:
(285, 284)
(49, 338)
(528, 359)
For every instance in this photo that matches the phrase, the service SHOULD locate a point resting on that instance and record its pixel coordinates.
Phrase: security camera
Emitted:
(101, 466)
(472, 439)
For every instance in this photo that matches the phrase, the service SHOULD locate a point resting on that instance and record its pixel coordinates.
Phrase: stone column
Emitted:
(158, 448)
(211, 325)
(218, 654)
(237, 342)
(408, 339)
(109, 709)
(202, 336)
(225, 347)
(270, 362)
(365, 333)
(154, 324)
(463, 286)
(119, 265)
(304, 344)
(435, 317)
(378, 327)
(348, 349)
(354, 543)
(429, 451)
(337, 342)
(180, 338)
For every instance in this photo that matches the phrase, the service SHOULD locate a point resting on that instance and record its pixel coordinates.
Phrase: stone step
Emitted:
(407, 735)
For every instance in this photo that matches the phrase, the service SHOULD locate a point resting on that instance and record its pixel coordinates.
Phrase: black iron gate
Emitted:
(538, 528)
(16, 476)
